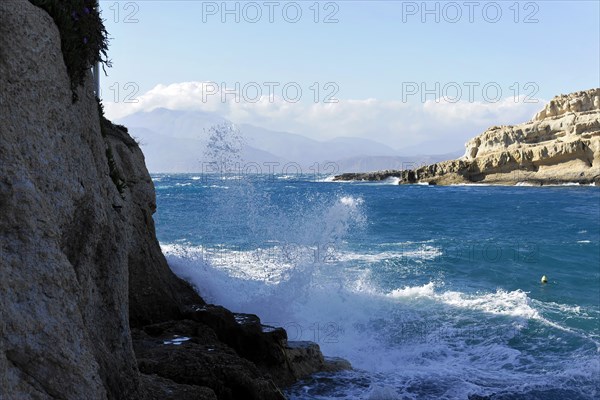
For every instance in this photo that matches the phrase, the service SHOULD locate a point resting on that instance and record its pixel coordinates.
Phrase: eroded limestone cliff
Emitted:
(561, 144)
(88, 304)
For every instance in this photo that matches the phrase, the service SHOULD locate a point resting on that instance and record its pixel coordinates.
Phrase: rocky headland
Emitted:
(561, 144)
(89, 308)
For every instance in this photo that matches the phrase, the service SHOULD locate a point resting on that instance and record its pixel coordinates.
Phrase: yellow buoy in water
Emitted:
(544, 279)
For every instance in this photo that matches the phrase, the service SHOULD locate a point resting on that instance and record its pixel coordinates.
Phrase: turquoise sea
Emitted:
(430, 292)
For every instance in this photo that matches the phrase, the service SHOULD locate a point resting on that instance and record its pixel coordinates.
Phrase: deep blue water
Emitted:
(430, 292)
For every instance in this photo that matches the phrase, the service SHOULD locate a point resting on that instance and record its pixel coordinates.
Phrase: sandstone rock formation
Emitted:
(88, 304)
(560, 145)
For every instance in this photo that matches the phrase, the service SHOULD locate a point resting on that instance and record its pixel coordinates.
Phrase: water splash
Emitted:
(224, 148)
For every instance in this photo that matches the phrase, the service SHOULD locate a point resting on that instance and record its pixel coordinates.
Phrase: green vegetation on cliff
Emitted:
(84, 40)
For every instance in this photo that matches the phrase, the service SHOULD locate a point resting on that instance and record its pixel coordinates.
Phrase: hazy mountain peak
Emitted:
(175, 141)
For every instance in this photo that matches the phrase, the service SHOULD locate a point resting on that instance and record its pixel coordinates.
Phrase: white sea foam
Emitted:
(351, 201)
(414, 291)
(403, 338)
(514, 303)
(418, 335)
(388, 181)
(217, 186)
(570, 184)
(419, 253)
(326, 179)
(554, 184)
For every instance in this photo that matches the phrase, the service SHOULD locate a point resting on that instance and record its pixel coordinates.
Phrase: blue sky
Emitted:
(377, 51)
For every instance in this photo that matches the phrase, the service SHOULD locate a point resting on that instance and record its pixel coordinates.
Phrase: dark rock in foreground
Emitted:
(205, 351)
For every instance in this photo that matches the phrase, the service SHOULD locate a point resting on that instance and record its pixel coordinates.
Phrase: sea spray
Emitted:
(373, 274)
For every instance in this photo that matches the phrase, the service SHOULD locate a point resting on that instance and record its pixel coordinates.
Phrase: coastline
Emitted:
(91, 309)
(560, 145)
(428, 274)
(402, 179)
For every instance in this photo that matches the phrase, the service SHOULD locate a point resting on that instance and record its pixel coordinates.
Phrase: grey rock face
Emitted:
(79, 259)
(63, 275)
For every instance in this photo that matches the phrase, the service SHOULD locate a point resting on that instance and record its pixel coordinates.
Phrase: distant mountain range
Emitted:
(175, 141)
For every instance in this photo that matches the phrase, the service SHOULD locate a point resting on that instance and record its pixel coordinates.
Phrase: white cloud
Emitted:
(439, 125)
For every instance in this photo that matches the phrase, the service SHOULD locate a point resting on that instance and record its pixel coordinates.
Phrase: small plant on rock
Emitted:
(84, 40)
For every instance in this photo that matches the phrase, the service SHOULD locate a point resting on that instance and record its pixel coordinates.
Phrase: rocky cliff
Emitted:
(89, 308)
(561, 144)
